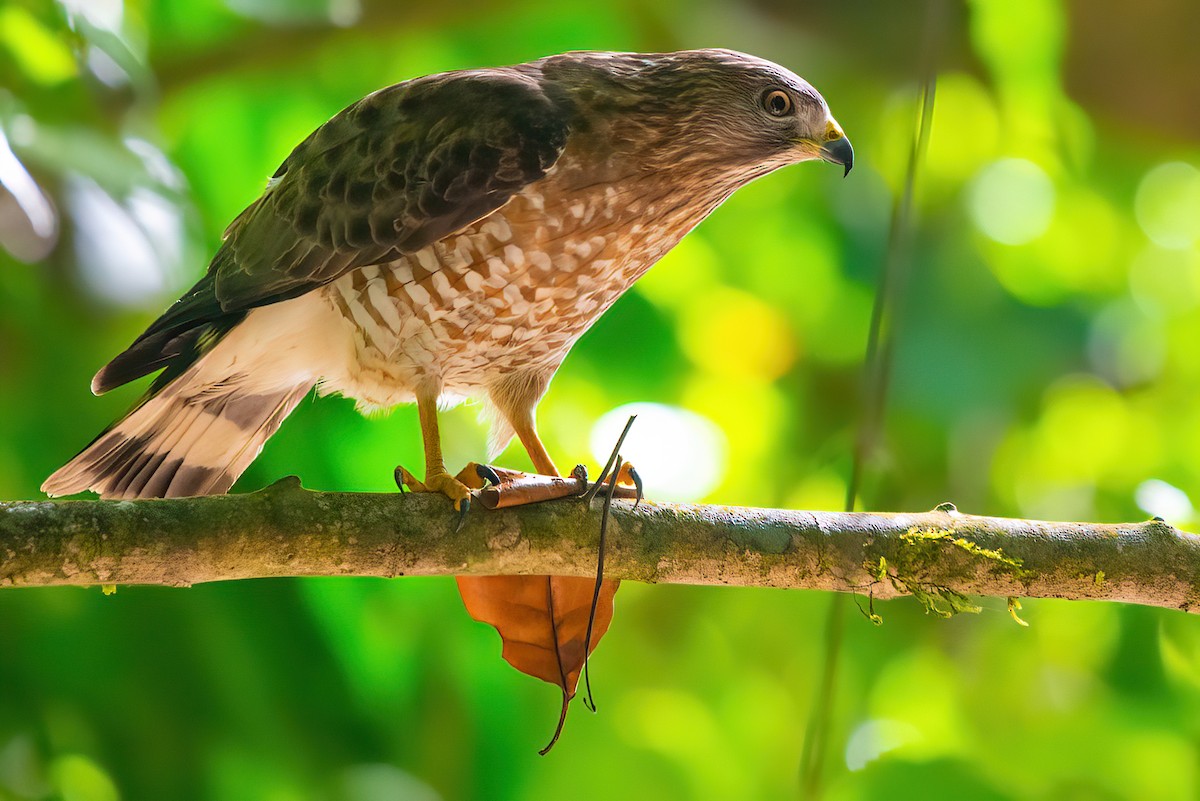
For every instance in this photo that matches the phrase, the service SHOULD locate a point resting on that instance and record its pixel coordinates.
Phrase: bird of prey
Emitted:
(448, 237)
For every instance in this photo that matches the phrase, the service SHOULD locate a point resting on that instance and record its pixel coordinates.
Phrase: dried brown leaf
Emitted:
(543, 622)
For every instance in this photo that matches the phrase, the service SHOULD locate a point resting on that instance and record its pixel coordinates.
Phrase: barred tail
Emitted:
(192, 438)
(224, 391)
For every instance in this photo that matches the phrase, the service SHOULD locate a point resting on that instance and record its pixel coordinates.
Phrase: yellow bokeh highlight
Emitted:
(1074, 638)
(1165, 280)
(1182, 366)
(1088, 436)
(750, 413)
(1083, 429)
(1168, 205)
(1026, 75)
(78, 778)
(39, 54)
(1082, 249)
(965, 132)
(823, 490)
(1023, 277)
(1012, 201)
(735, 335)
(969, 130)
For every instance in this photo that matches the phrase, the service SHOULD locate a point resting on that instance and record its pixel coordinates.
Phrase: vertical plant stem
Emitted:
(877, 370)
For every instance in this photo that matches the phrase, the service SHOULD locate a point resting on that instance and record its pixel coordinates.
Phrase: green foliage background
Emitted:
(1046, 366)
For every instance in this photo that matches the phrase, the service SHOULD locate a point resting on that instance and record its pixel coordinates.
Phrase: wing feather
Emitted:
(396, 171)
(403, 167)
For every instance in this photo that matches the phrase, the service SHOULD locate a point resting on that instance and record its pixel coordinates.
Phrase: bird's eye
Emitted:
(777, 102)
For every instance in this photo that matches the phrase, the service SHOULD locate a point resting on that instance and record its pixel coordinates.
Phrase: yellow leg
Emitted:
(527, 433)
(436, 477)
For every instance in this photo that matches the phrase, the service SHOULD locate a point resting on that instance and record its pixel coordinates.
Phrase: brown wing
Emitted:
(403, 167)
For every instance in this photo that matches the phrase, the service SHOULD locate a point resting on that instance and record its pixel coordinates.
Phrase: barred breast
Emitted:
(510, 293)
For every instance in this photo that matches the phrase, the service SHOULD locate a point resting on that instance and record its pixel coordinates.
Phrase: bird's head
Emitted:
(715, 107)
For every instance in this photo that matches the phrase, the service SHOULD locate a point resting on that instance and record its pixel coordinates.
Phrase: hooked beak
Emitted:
(836, 148)
(839, 151)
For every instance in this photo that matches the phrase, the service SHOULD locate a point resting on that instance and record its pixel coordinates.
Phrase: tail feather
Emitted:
(150, 478)
(209, 413)
(189, 439)
(247, 411)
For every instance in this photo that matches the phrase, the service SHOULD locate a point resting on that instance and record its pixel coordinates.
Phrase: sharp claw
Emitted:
(464, 506)
(637, 483)
(486, 473)
(399, 476)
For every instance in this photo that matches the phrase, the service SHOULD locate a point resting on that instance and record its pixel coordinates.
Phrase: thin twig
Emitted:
(877, 371)
(613, 466)
(611, 459)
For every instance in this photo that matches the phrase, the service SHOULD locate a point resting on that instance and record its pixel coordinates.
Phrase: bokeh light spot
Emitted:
(680, 455)
(1158, 498)
(1012, 201)
(104, 14)
(1083, 429)
(737, 335)
(77, 778)
(1082, 248)
(874, 738)
(28, 220)
(38, 54)
(965, 131)
(127, 252)
(1162, 280)
(680, 275)
(1168, 205)
(377, 780)
(1127, 345)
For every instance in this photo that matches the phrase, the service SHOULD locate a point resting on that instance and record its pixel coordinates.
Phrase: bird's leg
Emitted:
(526, 429)
(477, 476)
(515, 398)
(436, 477)
(527, 432)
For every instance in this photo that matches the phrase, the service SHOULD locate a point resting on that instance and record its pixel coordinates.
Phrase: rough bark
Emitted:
(285, 530)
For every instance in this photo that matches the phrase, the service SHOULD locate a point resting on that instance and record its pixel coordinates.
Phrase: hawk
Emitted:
(445, 238)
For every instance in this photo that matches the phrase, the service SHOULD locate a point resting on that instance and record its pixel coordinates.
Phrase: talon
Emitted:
(627, 474)
(463, 506)
(637, 483)
(441, 482)
(407, 481)
(486, 473)
(478, 476)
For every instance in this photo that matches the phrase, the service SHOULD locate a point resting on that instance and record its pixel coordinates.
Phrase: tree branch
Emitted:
(285, 530)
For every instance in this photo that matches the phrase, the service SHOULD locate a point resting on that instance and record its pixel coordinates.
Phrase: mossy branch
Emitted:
(941, 557)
